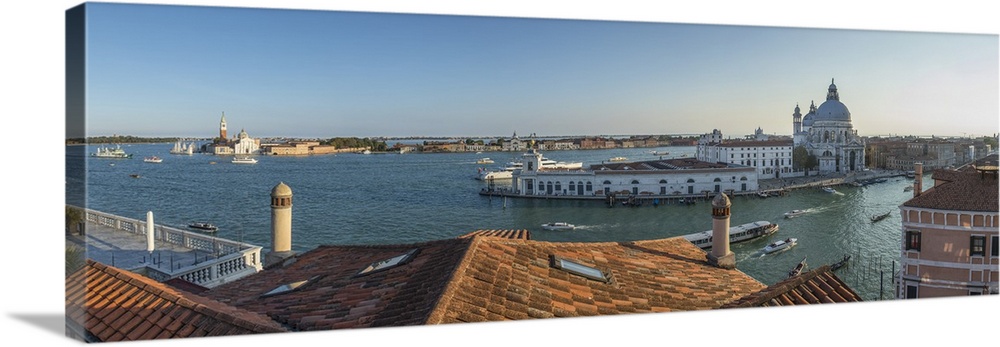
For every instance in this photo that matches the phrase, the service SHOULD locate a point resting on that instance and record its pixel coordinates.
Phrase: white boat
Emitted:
(244, 160)
(484, 161)
(829, 190)
(794, 213)
(181, 148)
(782, 245)
(558, 226)
(739, 233)
(203, 226)
(153, 159)
(108, 152)
(618, 159)
(507, 172)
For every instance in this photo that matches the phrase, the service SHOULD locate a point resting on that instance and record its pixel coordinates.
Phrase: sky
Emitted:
(155, 70)
(33, 133)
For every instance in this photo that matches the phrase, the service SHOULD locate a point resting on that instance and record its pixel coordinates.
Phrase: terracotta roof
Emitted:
(111, 304)
(819, 286)
(523, 234)
(961, 190)
(485, 278)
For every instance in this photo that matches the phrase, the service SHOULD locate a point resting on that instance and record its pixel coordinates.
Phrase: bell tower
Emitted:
(222, 127)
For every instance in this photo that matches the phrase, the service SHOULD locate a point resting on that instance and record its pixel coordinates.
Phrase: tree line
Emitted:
(354, 142)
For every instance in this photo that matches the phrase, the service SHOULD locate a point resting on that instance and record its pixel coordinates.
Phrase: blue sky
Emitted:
(173, 70)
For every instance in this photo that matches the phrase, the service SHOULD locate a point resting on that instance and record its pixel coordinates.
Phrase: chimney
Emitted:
(281, 224)
(150, 230)
(721, 256)
(918, 174)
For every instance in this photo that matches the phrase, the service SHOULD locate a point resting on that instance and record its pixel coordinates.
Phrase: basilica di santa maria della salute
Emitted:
(827, 133)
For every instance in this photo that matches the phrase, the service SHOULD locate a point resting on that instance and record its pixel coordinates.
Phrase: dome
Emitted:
(808, 120)
(721, 200)
(832, 110)
(281, 189)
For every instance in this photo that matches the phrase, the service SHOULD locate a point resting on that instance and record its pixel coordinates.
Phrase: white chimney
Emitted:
(149, 231)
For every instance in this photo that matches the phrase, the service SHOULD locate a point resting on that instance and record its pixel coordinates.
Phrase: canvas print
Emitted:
(236, 171)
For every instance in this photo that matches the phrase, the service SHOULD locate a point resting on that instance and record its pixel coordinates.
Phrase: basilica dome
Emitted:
(832, 109)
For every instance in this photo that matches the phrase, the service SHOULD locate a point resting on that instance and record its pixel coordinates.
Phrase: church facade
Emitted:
(827, 133)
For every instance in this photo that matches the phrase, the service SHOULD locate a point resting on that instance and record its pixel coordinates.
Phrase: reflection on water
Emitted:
(394, 198)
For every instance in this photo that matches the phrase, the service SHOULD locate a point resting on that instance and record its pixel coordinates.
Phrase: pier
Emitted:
(198, 258)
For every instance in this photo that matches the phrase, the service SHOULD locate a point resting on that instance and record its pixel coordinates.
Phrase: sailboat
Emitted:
(181, 148)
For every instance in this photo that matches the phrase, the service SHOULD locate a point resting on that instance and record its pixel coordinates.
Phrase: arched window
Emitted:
(607, 182)
(635, 181)
(690, 180)
(589, 186)
(717, 180)
(663, 181)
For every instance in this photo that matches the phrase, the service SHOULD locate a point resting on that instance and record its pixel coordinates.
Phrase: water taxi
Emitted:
(829, 190)
(618, 159)
(153, 159)
(782, 245)
(794, 213)
(484, 161)
(558, 226)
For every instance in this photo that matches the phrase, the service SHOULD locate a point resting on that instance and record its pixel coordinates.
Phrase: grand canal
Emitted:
(402, 198)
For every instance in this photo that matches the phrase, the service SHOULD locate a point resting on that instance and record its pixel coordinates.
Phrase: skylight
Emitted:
(287, 287)
(389, 263)
(579, 269)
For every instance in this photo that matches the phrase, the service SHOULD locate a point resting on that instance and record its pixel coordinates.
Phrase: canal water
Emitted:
(404, 198)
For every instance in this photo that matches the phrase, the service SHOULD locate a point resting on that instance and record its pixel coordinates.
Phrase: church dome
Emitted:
(808, 120)
(833, 110)
(281, 189)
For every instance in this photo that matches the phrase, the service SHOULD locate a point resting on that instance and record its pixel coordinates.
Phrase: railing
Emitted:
(232, 259)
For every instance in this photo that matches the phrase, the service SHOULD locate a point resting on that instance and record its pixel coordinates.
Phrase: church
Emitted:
(242, 144)
(827, 133)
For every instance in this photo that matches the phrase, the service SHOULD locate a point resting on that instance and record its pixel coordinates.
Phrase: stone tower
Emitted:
(281, 224)
(720, 255)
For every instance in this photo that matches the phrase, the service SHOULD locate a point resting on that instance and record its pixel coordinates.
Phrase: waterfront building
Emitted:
(298, 148)
(950, 234)
(770, 158)
(827, 132)
(242, 144)
(514, 144)
(665, 178)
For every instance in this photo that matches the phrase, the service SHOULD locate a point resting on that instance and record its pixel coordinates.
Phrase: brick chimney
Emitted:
(918, 174)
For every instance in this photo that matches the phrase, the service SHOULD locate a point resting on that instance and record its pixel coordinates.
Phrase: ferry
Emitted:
(244, 160)
(108, 152)
(739, 233)
(153, 159)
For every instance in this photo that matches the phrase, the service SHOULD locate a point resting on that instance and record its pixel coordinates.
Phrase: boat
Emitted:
(181, 148)
(762, 195)
(153, 159)
(134, 175)
(911, 174)
(841, 263)
(507, 172)
(877, 218)
(108, 152)
(484, 161)
(618, 159)
(558, 226)
(739, 233)
(908, 189)
(829, 190)
(795, 213)
(244, 160)
(798, 268)
(779, 246)
(203, 226)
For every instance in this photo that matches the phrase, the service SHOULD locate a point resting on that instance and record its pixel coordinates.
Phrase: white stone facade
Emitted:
(827, 132)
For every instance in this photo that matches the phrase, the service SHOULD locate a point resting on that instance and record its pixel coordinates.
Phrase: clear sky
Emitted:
(173, 70)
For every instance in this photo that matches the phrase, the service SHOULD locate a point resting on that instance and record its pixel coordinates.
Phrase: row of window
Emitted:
(977, 244)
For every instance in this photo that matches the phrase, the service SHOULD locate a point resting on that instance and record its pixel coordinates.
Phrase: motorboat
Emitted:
(877, 218)
(203, 226)
(829, 190)
(153, 159)
(795, 213)
(108, 152)
(484, 161)
(244, 160)
(134, 175)
(762, 195)
(558, 226)
(618, 159)
(782, 245)
(739, 233)
(798, 268)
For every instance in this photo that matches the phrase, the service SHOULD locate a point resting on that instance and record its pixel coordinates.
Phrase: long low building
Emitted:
(658, 178)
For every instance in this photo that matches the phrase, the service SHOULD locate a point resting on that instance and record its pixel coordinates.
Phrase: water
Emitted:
(404, 198)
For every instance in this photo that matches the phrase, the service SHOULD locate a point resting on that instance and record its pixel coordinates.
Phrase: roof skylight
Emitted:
(579, 269)
(287, 287)
(389, 263)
